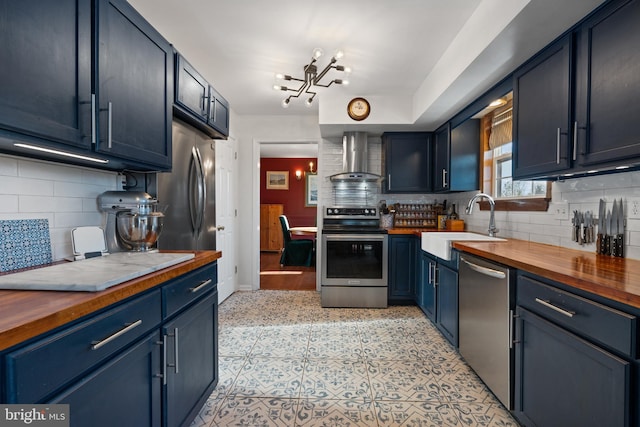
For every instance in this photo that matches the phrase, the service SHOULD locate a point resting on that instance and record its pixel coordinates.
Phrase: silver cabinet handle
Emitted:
(110, 115)
(484, 270)
(430, 274)
(93, 118)
(444, 178)
(97, 344)
(562, 311)
(175, 350)
(164, 360)
(575, 139)
(389, 182)
(200, 286)
(558, 147)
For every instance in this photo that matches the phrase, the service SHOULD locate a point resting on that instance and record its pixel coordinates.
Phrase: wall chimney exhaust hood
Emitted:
(355, 157)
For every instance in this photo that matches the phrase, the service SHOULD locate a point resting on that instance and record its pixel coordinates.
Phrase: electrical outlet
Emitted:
(560, 210)
(633, 208)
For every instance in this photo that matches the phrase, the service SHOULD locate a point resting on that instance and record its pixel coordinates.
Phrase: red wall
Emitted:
(293, 198)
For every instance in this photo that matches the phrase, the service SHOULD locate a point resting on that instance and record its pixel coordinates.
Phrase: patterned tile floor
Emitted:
(286, 361)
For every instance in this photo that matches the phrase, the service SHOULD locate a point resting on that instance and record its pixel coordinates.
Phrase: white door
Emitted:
(225, 218)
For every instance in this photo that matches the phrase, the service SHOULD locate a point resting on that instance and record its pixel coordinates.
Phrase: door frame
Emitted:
(255, 233)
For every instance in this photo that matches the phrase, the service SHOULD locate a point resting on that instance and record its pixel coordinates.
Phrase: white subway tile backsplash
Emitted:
(65, 195)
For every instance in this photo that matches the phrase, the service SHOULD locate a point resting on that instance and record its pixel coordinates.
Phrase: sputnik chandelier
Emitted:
(312, 78)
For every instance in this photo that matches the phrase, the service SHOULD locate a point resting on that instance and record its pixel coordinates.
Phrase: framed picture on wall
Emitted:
(311, 190)
(277, 180)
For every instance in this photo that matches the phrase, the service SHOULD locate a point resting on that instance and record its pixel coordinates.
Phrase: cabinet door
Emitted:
(447, 310)
(218, 112)
(192, 360)
(542, 131)
(125, 392)
(46, 71)
(402, 269)
(442, 139)
(407, 162)
(562, 380)
(465, 156)
(134, 87)
(608, 82)
(427, 295)
(192, 90)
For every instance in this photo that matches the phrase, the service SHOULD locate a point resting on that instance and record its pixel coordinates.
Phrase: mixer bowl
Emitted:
(140, 231)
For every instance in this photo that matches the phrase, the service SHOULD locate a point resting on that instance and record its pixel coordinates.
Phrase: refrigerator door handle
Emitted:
(202, 191)
(194, 190)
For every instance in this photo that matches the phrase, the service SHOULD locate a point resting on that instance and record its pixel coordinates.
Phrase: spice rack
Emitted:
(421, 215)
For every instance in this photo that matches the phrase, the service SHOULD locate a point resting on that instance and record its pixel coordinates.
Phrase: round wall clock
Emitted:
(358, 109)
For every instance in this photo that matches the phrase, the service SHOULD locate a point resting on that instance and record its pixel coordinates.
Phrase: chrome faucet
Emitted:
(492, 204)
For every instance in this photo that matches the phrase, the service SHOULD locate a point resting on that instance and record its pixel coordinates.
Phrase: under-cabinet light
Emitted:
(61, 153)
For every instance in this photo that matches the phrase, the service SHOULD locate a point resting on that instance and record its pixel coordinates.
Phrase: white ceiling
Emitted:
(439, 55)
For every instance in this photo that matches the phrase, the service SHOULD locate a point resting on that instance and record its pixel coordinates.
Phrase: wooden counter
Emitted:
(615, 278)
(27, 314)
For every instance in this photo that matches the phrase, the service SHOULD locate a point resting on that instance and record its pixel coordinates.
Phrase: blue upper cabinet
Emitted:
(197, 102)
(87, 77)
(134, 87)
(575, 103)
(407, 162)
(542, 113)
(46, 72)
(607, 86)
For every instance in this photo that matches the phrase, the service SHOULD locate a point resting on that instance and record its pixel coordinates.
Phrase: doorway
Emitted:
(269, 273)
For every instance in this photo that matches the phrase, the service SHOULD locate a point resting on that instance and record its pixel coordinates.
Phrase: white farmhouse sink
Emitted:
(439, 243)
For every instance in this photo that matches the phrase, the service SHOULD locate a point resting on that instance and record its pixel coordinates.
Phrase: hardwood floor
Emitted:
(291, 278)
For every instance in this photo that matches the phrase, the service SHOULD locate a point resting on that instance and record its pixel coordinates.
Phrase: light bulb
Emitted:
(339, 54)
(317, 53)
(285, 103)
(345, 82)
(298, 174)
(279, 76)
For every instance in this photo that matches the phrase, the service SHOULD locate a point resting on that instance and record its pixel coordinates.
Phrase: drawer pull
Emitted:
(129, 326)
(200, 286)
(175, 350)
(555, 308)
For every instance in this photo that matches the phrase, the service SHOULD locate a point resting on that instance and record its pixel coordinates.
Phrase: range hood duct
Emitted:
(355, 157)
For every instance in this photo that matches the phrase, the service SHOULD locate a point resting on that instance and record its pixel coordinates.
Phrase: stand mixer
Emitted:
(133, 220)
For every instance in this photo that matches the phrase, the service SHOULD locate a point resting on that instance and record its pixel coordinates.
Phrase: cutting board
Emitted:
(24, 243)
(93, 274)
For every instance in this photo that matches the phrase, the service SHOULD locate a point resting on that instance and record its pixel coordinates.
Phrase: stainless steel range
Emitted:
(354, 261)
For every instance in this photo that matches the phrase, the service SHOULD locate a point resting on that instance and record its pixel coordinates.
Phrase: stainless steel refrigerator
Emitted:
(188, 191)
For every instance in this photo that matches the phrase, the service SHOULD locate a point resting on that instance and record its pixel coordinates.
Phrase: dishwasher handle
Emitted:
(485, 270)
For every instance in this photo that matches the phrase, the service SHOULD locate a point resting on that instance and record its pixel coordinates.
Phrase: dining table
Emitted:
(304, 231)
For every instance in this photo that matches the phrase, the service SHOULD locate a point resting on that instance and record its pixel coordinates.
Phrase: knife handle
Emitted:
(619, 246)
(599, 244)
(607, 244)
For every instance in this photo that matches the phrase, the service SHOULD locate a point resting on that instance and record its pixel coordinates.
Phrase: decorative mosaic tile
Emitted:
(404, 380)
(335, 413)
(416, 414)
(269, 377)
(253, 411)
(478, 414)
(336, 379)
(362, 367)
(24, 243)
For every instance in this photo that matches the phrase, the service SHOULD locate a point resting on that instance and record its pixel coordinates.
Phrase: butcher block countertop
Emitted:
(614, 278)
(25, 314)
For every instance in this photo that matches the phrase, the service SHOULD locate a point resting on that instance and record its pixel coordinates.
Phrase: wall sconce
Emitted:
(310, 167)
(298, 174)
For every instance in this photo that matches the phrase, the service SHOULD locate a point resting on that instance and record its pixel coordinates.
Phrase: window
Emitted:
(497, 146)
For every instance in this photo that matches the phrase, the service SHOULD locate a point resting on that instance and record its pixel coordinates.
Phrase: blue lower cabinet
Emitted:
(426, 294)
(121, 392)
(563, 380)
(403, 269)
(438, 293)
(151, 360)
(447, 303)
(191, 361)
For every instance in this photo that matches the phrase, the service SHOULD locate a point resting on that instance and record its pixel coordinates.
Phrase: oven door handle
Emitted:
(354, 236)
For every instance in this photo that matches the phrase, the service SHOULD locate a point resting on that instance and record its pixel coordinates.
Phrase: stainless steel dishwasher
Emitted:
(486, 303)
